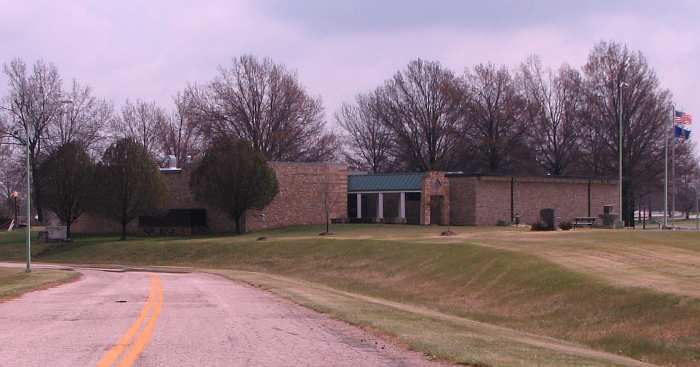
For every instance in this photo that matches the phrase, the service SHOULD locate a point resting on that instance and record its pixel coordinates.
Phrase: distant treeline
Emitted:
(489, 119)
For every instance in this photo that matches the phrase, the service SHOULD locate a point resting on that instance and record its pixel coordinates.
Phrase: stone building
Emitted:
(458, 199)
(413, 198)
(485, 200)
(310, 192)
(306, 191)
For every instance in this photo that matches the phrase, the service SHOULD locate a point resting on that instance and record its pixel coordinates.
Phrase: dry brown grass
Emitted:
(14, 281)
(632, 293)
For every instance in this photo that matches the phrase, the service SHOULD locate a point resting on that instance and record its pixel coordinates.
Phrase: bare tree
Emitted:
(420, 107)
(12, 175)
(32, 104)
(369, 139)
(612, 71)
(554, 105)
(323, 148)
(142, 121)
(494, 121)
(83, 121)
(262, 104)
(687, 173)
(179, 135)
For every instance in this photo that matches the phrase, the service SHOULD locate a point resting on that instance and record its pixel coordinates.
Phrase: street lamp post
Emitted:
(29, 195)
(29, 208)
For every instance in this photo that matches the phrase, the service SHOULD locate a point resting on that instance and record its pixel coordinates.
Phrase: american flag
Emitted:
(683, 118)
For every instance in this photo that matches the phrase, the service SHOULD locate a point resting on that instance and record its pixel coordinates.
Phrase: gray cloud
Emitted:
(392, 15)
(150, 50)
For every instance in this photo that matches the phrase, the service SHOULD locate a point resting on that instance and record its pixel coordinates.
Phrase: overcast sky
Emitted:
(152, 49)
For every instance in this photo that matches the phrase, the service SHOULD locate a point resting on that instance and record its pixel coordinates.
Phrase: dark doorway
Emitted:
(352, 206)
(369, 205)
(391, 205)
(436, 209)
(413, 207)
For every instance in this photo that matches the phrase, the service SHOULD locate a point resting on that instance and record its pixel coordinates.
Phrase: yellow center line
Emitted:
(154, 302)
(145, 337)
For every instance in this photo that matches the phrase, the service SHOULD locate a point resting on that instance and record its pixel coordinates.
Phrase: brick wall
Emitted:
(303, 189)
(435, 184)
(569, 199)
(602, 195)
(486, 200)
(462, 200)
(492, 200)
(306, 188)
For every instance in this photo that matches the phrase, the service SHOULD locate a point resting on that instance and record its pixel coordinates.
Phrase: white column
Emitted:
(402, 206)
(380, 205)
(359, 206)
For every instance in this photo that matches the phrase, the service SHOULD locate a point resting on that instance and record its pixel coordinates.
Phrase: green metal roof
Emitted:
(386, 182)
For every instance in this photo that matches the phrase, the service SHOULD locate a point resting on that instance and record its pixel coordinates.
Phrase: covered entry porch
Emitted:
(384, 207)
(385, 198)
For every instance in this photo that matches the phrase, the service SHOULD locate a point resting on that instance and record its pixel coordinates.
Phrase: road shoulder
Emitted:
(14, 282)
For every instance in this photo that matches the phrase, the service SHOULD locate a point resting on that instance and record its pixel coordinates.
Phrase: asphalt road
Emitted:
(160, 319)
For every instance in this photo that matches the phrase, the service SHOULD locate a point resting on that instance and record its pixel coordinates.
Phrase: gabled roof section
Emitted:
(386, 182)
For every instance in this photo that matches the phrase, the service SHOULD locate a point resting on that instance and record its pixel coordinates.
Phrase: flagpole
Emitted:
(673, 112)
(697, 208)
(673, 177)
(621, 219)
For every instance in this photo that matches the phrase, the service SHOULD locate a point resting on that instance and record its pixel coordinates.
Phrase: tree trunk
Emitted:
(238, 224)
(629, 220)
(627, 210)
(123, 237)
(639, 212)
(36, 187)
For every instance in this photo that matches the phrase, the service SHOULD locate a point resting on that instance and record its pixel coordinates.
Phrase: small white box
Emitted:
(56, 233)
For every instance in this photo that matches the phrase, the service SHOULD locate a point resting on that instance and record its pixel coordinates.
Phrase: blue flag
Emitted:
(681, 132)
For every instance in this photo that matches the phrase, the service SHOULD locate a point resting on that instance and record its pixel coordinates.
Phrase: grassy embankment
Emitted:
(367, 274)
(14, 281)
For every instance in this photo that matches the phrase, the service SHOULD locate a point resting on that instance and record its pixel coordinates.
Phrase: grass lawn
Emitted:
(14, 281)
(685, 223)
(516, 279)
